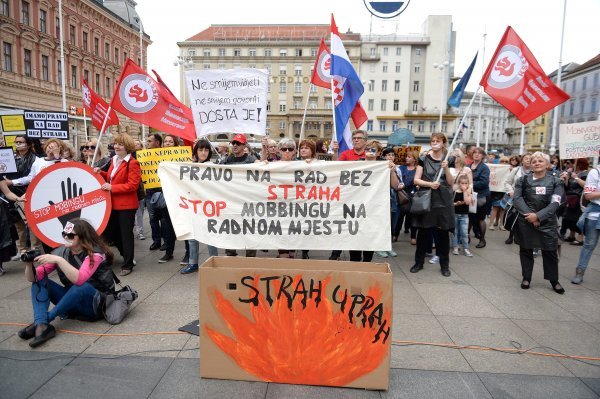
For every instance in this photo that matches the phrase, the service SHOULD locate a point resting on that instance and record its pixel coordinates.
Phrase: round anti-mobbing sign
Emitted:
(62, 192)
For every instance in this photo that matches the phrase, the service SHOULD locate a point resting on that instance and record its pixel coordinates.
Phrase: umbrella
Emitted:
(401, 136)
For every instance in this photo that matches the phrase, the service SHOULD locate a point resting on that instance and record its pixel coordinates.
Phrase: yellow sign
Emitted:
(150, 159)
(403, 150)
(9, 141)
(13, 123)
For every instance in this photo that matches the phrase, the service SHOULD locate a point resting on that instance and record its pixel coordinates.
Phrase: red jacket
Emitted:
(124, 184)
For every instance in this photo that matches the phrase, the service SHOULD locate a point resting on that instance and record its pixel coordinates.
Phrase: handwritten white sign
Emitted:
(579, 140)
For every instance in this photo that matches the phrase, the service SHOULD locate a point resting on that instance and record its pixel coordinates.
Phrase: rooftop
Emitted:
(268, 33)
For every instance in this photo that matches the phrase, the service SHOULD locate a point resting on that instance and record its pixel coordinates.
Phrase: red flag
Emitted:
(97, 107)
(143, 99)
(321, 75)
(516, 80)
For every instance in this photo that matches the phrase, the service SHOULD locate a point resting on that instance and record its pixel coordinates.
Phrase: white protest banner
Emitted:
(7, 160)
(498, 175)
(230, 100)
(579, 140)
(281, 205)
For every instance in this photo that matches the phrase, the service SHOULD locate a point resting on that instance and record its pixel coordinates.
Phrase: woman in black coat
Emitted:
(537, 198)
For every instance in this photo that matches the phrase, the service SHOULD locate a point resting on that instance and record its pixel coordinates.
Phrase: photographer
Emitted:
(83, 265)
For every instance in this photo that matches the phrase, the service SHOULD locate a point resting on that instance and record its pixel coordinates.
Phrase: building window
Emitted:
(382, 126)
(384, 85)
(371, 85)
(24, 12)
(372, 68)
(385, 67)
(394, 126)
(7, 51)
(417, 68)
(584, 83)
(409, 125)
(97, 83)
(594, 105)
(571, 107)
(72, 35)
(206, 66)
(369, 125)
(444, 127)
(268, 52)
(582, 107)
(385, 51)
(421, 127)
(268, 108)
(328, 103)
(237, 52)
(282, 69)
(297, 103)
(116, 56)
(107, 84)
(432, 126)
(282, 124)
(222, 66)
(398, 50)
(59, 72)
(85, 41)
(282, 52)
(125, 56)
(222, 52)
(314, 51)
(396, 85)
(45, 68)
(282, 87)
(383, 104)
(370, 104)
(86, 75)
(397, 67)
(4, 9)
(298, 87)
(27, 62)
(312, 103)
(298, 52)
(96, 46)
(416, 86)
(74, 76)
(396, 106)
(206, 52)
(415, 105)
(43, 21)
(298, 70)
(372, 52)
(574, 86)
(107, 51)
(282, 106)
(596, 79)
(313, 88)
(417, 51)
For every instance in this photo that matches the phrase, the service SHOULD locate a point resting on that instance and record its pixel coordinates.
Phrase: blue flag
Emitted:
(458, 92)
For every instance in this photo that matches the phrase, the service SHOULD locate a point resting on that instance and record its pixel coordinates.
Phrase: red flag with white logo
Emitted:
(97, 107)
(144, 100)
(321, 75)
(516, 80)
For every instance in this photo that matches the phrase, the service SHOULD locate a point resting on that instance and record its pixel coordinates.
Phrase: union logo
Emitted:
(324, 67)
(87, 96)
(138, 93)
(509, 67)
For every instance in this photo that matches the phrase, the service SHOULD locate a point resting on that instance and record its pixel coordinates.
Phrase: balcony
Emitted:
(368, 56)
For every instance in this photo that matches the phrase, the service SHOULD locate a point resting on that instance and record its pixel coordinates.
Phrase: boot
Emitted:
(445, 270)
(578, 279)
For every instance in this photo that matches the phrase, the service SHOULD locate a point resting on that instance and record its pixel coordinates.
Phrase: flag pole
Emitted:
(101, 133)
(457, 130)
(304, 119)
(85, 126)
(558, 76)
(481, 94)
(521, 149)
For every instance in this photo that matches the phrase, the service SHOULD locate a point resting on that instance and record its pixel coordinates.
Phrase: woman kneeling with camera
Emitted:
(83, 265)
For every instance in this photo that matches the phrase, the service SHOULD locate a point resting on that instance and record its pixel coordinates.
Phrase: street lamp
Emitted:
(441, 66)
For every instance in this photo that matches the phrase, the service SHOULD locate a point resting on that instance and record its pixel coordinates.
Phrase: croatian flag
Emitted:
(347, 89)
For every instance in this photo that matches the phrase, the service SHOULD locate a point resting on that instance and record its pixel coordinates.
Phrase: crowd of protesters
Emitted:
(542, 190)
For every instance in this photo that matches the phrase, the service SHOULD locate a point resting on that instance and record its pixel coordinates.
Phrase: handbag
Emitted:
(473, 204)
(114, 306)
(402, 197)
(421, 202)
(511, 214)
(481, 201)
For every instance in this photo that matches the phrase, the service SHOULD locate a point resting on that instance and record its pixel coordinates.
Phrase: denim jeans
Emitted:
(139, 217)
(461, 231)
(74, 301)
(195, 251)
(154, 218)
(589, 243)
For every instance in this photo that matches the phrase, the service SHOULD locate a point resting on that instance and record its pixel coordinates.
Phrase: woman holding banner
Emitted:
(202, 153)
(308, 153)
(122, 180)
(54, 150)
(169, 232)
(441, 217)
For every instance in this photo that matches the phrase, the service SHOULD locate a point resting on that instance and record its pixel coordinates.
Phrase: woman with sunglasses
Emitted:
(83, 265)
(122, 180)
(88, 152)
(287, 152)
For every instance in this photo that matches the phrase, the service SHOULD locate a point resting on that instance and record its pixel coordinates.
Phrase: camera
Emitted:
(111, 147)
(29, 256)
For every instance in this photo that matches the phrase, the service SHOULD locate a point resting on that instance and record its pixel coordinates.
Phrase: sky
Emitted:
(538, 23)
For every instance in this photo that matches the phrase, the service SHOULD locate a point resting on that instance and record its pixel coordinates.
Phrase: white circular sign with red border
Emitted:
(62, 192)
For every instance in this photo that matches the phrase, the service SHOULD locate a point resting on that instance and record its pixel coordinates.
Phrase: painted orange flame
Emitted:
(312, 345)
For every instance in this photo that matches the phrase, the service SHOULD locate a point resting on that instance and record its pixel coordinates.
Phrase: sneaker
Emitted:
(536, 252)
(392, 253)
(192, 267)
(165, 258)
(382, 254)
(140, 236)
(163, 247)
(434, 259)
(455, 251)
(468, 253)
(491, 227)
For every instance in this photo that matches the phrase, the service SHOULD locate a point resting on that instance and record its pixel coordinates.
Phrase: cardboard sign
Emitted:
(47, 125)
(61, 192)
(150, 159)
(7, 160)
(12, 122)
(402, 151)
(231, 101)
(293, 205)
(296, 321)
(579, 140)
(498, 174)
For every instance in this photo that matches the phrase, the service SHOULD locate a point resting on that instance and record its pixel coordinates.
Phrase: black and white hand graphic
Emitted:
(69, 191)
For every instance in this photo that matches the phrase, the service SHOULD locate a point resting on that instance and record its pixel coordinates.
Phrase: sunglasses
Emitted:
(89, 147)
(70, 236)
(286, 149)
(358, 138)
(373, 150)
(236, 143)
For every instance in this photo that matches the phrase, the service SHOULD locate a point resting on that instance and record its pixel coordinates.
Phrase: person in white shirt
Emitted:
(54, 149)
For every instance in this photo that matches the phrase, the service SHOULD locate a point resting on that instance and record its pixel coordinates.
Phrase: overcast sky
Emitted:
(537, 22)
